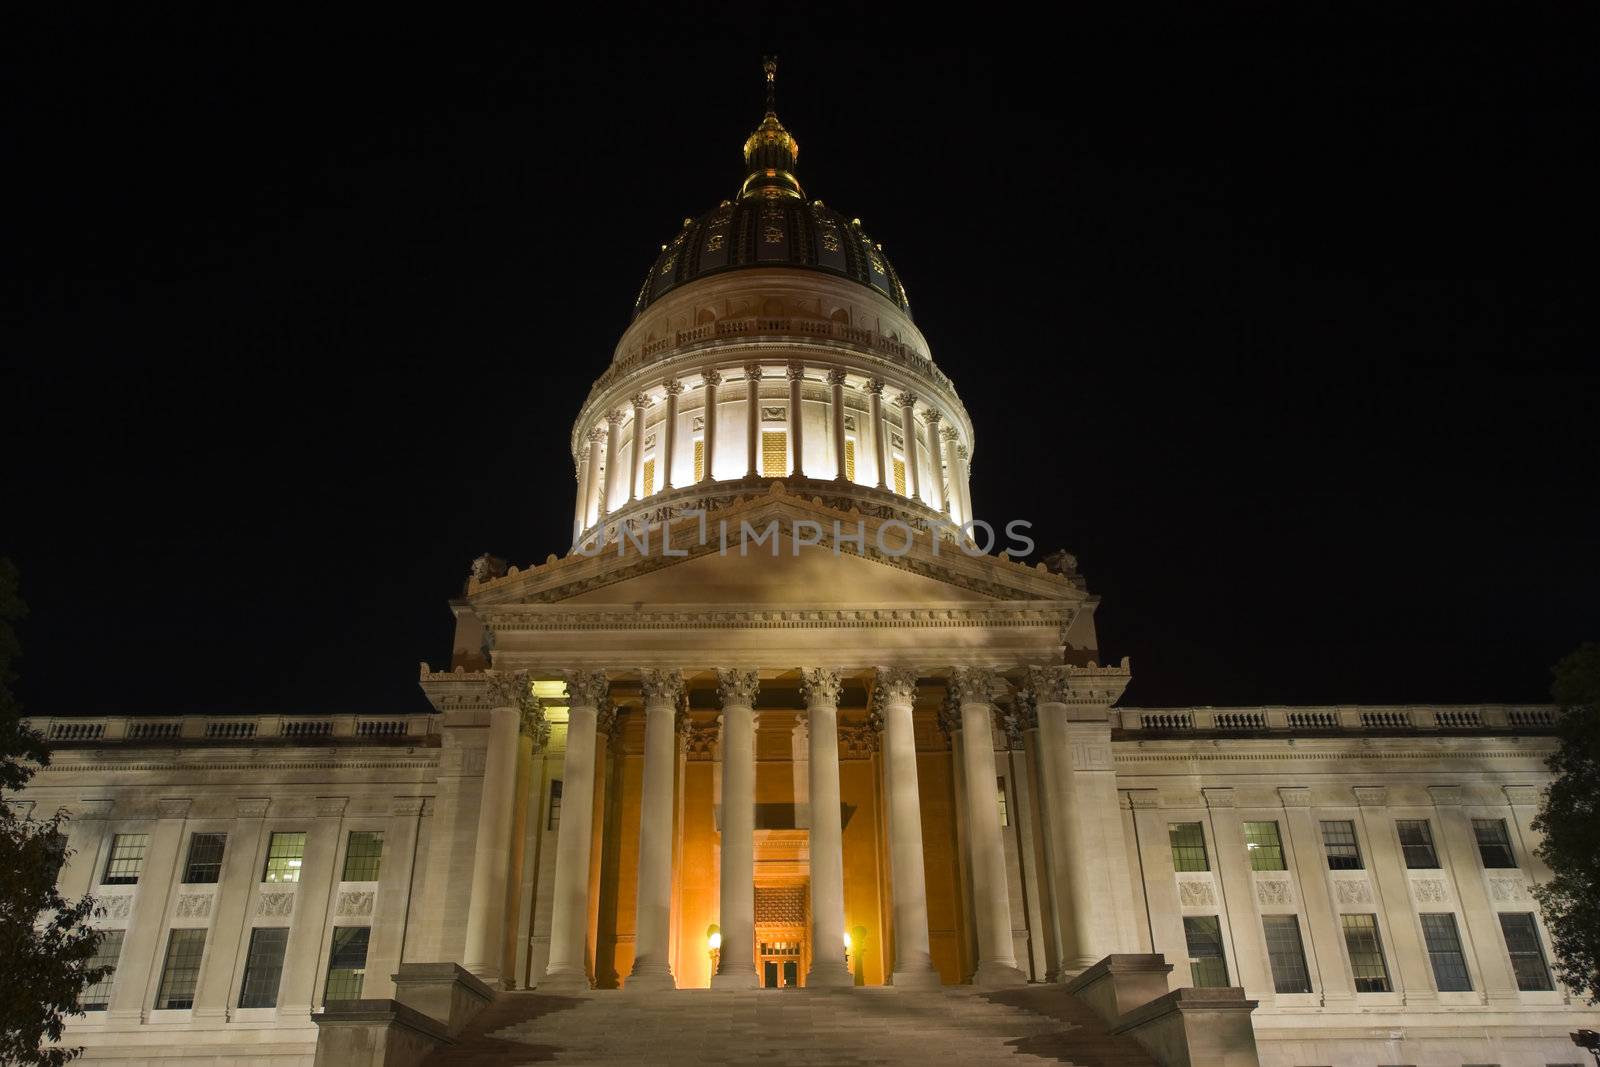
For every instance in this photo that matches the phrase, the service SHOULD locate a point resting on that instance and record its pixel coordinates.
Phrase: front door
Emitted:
(780, 964)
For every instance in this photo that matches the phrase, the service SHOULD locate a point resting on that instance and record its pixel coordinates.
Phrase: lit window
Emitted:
(1208, 967)
(850, 458)
(1494, 846)
(205, 858)
(1188, 847)
(1444, 951)
(285, 854)
(363, 857)
(181, 971)
(126, 859)
(263, 967)
(1339, 839)
(1265, 847)
(1361, 941)
(98, 996)
(774, 453)
(554, 821)
(1416, 842)
(699, 459)
(347, 963)
(900, 476)
(649, 477)
(1527, 954)
(1287, 954)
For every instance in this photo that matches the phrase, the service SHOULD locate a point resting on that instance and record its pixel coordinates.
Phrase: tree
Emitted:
(45, 940)
(1570, 822)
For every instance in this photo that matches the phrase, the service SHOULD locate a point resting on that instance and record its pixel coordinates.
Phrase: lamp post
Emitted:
(714, 946)
(1590, 1040)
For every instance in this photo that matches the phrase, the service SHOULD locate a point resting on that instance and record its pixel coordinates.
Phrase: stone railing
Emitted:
(233, 729)
(1477, 718)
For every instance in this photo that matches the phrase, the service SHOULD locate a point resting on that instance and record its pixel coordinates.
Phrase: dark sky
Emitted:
(1283, 330)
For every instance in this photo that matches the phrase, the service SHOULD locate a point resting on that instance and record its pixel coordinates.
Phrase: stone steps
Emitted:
(772, 1028)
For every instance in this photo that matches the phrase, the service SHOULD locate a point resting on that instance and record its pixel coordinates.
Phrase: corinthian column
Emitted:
(614, 419)
(580, 463)
(752, 419)
(797, 376)
(669, 430)
(641, 404)
(972, 688)
(566, 969)
(895, 689)
(1071, 877)
(955, 499)
(936, 489)
(712, 380)
(821, 689)
(875, 390)
(510, 696)
(591, 477)
(908, 429)
(653, 926)
(736, 967)
(836, 379)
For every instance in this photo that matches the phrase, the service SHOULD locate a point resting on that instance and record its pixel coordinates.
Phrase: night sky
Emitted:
(1284, 331)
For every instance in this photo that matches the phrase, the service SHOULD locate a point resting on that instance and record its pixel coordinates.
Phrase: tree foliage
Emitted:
(45, 940)
(1570, 822)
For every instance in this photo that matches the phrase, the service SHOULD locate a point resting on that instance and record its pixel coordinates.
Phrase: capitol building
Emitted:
(784, 726)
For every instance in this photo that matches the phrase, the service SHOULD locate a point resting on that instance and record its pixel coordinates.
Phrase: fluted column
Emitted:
(955, 502)
(614, 419)
(580, 463)
(936, 489)
(591, 477)
(641, 404)
(1070, 858)
(836, 379)
(797, 376)
(965, 480)
(569, 906)
(896, 691)
(712, 380)
(736, 968)
(821, 687)
(652, 968)
(908, 430)
(510, 696)
(752, 419)
(669, 432)
(875, 390)
(972, 688)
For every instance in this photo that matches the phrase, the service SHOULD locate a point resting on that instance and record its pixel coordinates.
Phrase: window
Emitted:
(1266, 849)
(98, 996)
(649, 477)
(285, 853)
(699, 459)
(1444, 950)
(1287, 953)
(181, 971)
(774, 453)
(363, 856)
(1416, 841)
(1188, 847)
(1000, 788)
(1207, 965)
(900, 476)
(1527, 954)
(263, 967)
(126, 860)
(347, 963)
(554, 821)
(1493, 844)
(1366, 953)
(205, 858)
(1339, 839)
(850, 458)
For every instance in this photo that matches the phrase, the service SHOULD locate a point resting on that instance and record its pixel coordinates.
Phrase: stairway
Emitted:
(772, 1028)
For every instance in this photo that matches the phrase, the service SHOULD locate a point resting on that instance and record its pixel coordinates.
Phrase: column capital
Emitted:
(711, 377)
(586, 689)
(949, 716)
(532, 724)
(1294, 796)
(1519, 795)
(642, 401)
(1445, 796)
(961, 450)
(933, 418)
(1371, 796)
(837, 376)
(661, 686)
(738, 687)
(949, 433)
(607, 721)
(820, 686)
(615, 416)
(673, 386)
(404, 806)
(700, 740)
(1142, 799)
(596, 435)
(876, 386)
(752, 372)
(973, 685)
(1049, 684)
(795, 372)
(906, 400)
(96, 808)
(1013, 724)
(508, 689)
(894, 685)
(1219, 797)
(251, 807)
(683, 723)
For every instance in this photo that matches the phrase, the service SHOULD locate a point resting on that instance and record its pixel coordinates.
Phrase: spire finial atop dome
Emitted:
(770, 153)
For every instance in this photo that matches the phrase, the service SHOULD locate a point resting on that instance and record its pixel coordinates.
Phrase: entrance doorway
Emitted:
(780, 964)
